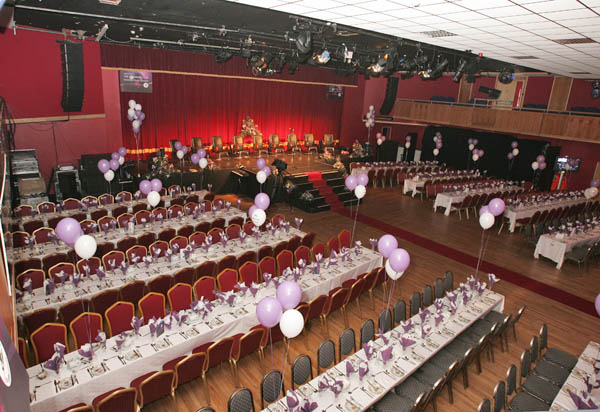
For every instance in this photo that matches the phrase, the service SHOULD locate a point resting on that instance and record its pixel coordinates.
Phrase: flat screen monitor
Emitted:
(570, 164)
(335, 92)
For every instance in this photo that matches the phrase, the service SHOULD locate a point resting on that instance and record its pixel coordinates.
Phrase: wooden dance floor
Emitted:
(298, 163)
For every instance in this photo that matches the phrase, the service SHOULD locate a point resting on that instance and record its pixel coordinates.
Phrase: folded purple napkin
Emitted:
(253, 289)
(423, 315)
(202, 306)
(363, 369)
(241, 286)
(136, 324)
(298, 222)
(425, 329)
(349, 368)
(308, 406)
(76, 278)
(438, 317)
(439, 304)
(492, 279)
(267, 278)
(147, 260)
(324, 382)
(100, 273)
(120, 340)
(28, 285)
(580, 403)
(387, 354)
(124, 266)
(101, 338)
(292, 399)
(407, 325)
(49, 286)
(53, 363)
(373, 243)
(406, 342)
(368, 351)
(87, 351)
(381, 335)
(238, 204)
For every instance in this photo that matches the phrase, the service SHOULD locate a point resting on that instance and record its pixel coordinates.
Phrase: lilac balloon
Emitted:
(289, 294)
(103, 166)
(496, 206)
(115, 156)
(542, 166)
(386, 244)
(251, 210)
(481, 153)
(595, 183)
(262, 201)
(363, 179)
(122, 151)
(68, 230)
(136, 130)
(195, 158)
(130, 117)
(510, 156)
(438, 144)
(475, 141)
(408, 138)
(470, 141)
(156, 185)
(142, 117)
(598, 304)
(184, 149)
(484, 209)
(514, 144)
(267, 170)
(540, 158)
(260, 163)
(399, 260)
(114, 164)
(268, 312)
(145, 186)
(351, 182)
(202, 153)
(177, 145)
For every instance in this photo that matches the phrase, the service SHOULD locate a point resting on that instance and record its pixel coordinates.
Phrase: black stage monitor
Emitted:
(570, 164)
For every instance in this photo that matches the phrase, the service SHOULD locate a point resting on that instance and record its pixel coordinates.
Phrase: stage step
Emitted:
(327, 189)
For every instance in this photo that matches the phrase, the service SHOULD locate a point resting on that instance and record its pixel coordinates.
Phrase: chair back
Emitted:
(185, 275)
(118, 317)
(136, 253)
(42, 235)
(448, 281)
(103, 300)
(337, 300)
(241, 401)
(385, 320)
(511, 380)
(328, 139)
(344, 238)
(543, 338)
(158, 249)
(113, 259)
(85, 328)
(415, 303)
(271, 387)
(317, 249)
(160, 284)
(61, 268)
(316, 307)
(309, 139)
(190, 367)
(233, 231)
(227, 279)
(285, 260)
(399, 312)
(217, 142)
(37, 277)
(197, 238)
(325, 355)
(500, 396)
(156, 386)
(267, 265)
(292, 140)
(334, 245)
(133, 291)
(534, 349)
(302, 253)
(152, 305)
(249, 273)
(44, 338)
(485, 406)
(219, 351)
(204, 287)
(248, 343)
(347, 343)
(34, 320)
(309, 239)
(367, 331)
(301, 370)
(228, 262)
(180, 297)
(438, 288)
(427, 296)
(207, 268)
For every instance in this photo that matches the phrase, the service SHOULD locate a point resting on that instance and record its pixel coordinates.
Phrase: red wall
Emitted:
(482, 81)
(581, 94)
(415, 88)
(538, 89)
(351, 124)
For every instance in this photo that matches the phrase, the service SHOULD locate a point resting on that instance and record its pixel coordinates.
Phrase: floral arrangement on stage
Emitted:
(328, 157)
(160, 167)
(249, 129)
(357, 149)
(339, 165)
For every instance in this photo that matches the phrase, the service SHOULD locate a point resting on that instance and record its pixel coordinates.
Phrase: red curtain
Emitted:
(184, 106)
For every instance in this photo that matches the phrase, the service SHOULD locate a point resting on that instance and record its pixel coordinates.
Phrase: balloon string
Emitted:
(390, 295)
(480, 252)
(271, 344)
(487, 239)
(355, 217)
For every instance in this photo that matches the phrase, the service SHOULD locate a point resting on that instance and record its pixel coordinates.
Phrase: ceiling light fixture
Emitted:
(460, 70)
(223, 55)
(506, 76)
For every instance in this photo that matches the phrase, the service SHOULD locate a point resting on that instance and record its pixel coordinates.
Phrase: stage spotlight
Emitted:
(458, 74)
(323, 57)
(380, 64)
(278, 63)
(223, 55)
(292, 66)
(506, 76)
(304, 42)
(596, 89)
(438, 70)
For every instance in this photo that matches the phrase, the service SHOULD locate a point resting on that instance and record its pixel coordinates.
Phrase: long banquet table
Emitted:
(359, 395)
(446, 200)
(110, 368)
(411, 185)
(555, 248)
(513, 214)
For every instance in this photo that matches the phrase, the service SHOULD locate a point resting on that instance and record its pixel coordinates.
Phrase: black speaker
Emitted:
(72, 74)
(390, 96)
(492, 93)
(279, 164)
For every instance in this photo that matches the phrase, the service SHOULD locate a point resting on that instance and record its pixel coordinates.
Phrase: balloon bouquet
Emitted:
(438, 144)
(151, 188)
(397, 261)
(199, 158)
(69, 231)
(592, 191)
(358, 184)
(512, 155)
(407, 144)
(108, 167)
(264, 171)
(257, 210)
(136, 117)
(370, 122)
(473, 153)
(487, 218)
(180, 151)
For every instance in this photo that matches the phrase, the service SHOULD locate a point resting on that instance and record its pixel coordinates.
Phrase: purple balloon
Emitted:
(115, 156)
(514, 144)
(408, 138)
(136, 130)
(184, 149)
(363, 179)
(470, 141)
(438, 144)
(484, 209)
(251, 210)
(202, 153)
(351, 182)
(114, 164)
(142, 117)
(540, 158)
(177, 145)
(289, 294)
(496, 206)
(145, 186)
(595, 183)
(386, 244)
(260, 163)
(510, 156)
(475, 141)
(262, 201)
(195, 158)
(156, 185)
(268, 312)
(68, 230)
(598, 304)
(399, 260)
(122, 151)
(267, 170)
(542, 166)
(103, 166)
(481, 153)
(130, 117)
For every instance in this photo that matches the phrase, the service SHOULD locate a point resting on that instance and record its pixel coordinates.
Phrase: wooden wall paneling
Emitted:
(524, 122)
(7, 299)
(464, 91)
(483, 118)
(559, 96)
(597, 171)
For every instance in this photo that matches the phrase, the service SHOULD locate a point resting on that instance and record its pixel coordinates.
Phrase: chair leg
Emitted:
(235, 373)
(345, 314)
(450, 391)
(206, 390)
(466, 376)
(324, 321)
(359, 309)
(372, 300)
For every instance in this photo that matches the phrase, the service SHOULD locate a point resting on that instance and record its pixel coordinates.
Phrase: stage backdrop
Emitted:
(183, 105)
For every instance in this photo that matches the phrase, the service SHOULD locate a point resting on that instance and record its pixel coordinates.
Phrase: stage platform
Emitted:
(298, 163)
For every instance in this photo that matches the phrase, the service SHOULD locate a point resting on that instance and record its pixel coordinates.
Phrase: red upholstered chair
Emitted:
(72, 309)
(117, 400)
(140, 207)
(146, 239)
(319, 248)
(180, 297)
(228, 262)
(207, 205)
(160, 284)
(39, 317)
(233, 231)
(133, 291)
(142, 216)
(106, 220)
(44, 338)
(166, 234)
(197, 238)
(208, 268)
(23, 210)
(185, 275)
(355, 290)
(344, 238)
(136, 253)
(19, 239)
(46, 207)
(188, 368)
(89, 226)
(238, 220)
(337, 300)
(294, 243)
(204, 287)
(158, 248)
(218, 223)
(123, 219)
(302, 253)
(98, 213)
(285, 260)
(248, 226)
(249, 256)
(370, 282)
(334, 245)
(123, 196)
(127, 242)
(152, 305)
(249, 273)
(202, 227)
(215, 234)
(246, 344)
(80, 407)
(264, 252)
(67, 268)
(277, 219)
(36, 275)
(153, 386)
(23, 351)
(160, 212)
(185, 231)
(119, 210)
(191, 204)
(281, 246)
(118, 317)
(80, 217)
(53, 259)
(103, 300)
(22, 265)
(180, 241)
(227, 279)
(267, 265)
(32, 225)
(103, 248)
(42, 235)
(316, 307)
(85, 327)
(116, 255)
(92, 263)
(174, 210)
(219, 351)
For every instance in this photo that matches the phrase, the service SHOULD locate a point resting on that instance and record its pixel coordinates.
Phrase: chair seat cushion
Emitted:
(98, 398)
(429, 373)
(170, 365)
(561, 358)
(551, 372)
(411, 388)
(393, 403)
(444, 359)
(74, 406)
(525, 402)
(494, 317)
(458, 347)
(482, 326)
(541, 388)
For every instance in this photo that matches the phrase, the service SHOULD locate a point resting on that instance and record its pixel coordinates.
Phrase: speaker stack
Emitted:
(72, 74)
(92, 181)
(390, 96)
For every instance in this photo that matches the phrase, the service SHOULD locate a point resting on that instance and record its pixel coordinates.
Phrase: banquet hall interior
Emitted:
(307, 205)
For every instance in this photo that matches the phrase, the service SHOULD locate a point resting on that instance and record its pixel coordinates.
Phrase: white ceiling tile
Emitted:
(528, 18)
(482, 5)
(323, 15)
(537, 25)
(505, 11)
(349, 20)
(319, 4)
(379, 5)
(451, 25)
(441, 9)
(554, 5)
(579, 23)
(591, 3)
(406, 13)
(464, 16)
(351, 11)
(427, 20)
(559, 16)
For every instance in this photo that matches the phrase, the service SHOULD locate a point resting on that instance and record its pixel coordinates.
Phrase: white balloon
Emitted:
(109, 176)
(153, 198)
(535, 165)
(379, 141)
(135, 124)
(121, 160)
(138, 107)
(360, 191)
(203, 163)
(471, 146)
(436, 151)
(371, 107)
(486, 220)
(391, 272)
(291, 323)
(590, 192)
(407, 145)
(515, 152)
(180, 154)
(475, 157)
(132, 104)
(435, 138)
(261, 177)
(258, 217)
(131, 112)
(85, 246)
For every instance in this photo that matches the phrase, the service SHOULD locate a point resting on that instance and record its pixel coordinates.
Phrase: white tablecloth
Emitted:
(144, 354)
(446, 200)
(115, 279)
(524, 212)
(554, 249)
(575, 382)
(411, 185)
(359, 395)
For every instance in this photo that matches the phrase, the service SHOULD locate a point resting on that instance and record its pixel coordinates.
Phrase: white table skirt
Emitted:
(524, 212)
(233, 322)
(575, 381)
(446, 200)
(555, 249)
(115, 279)
(383, 378)
(411, 185)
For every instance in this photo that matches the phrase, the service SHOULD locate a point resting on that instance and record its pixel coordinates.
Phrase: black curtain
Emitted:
(388, 151)
(455, 153)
